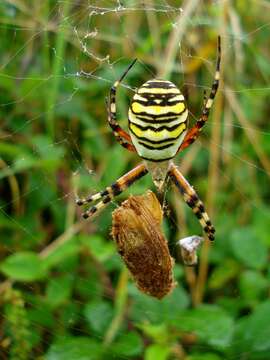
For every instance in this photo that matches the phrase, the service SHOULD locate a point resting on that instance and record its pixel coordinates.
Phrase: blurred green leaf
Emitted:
(90, 286)
(46, 149)
(232, 305)
(210, 323)
(24, 162)
(261, 222)
(159, 333)
(11, 150)
(226, 271)
(71, 348)
(114, 169)
(252, 336)
(21, 163)
(248, 248)
(129, 344)
(24, 266)
(61, 253)
(252, 284)
(99, 315)
(206, 356)
(69, 314)
(157, 352)
(59, 289)
(145, 308)
(102, 250)
(41, 315)
(42, 194)
(95, 144)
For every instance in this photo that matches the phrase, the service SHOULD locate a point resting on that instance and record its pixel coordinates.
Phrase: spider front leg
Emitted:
(120, 134)
(110, 192)
(193, 133)
(192, 200)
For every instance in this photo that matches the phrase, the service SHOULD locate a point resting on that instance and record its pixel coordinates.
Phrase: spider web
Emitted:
(45, 77)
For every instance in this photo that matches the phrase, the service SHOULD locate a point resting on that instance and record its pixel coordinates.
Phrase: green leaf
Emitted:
(206, 356)
(59, 289)
(71, 348)
(223, 273)
(129, 344)
(41, 315)
(261, 219)
(157, 311)
(102, 250)
(210, 323)
(62, 252)
(159, 333)
(251, 285)
(232, 305)
(114, 169)
(69, 314)
(90, 286)
(46, 149)
(253, 333)
(11, 150)
(248, 248)
(95, 143)
(24, 266)
(24, 162)
(99, 315)
(157, 352)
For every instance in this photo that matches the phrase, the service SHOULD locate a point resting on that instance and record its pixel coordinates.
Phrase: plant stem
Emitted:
(56, 70)
(120, 306)
(182, 21)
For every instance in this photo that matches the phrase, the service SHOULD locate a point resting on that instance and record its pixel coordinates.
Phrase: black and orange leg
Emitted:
(107, 195)
(192, 200)
(193, 133)
(121, 135)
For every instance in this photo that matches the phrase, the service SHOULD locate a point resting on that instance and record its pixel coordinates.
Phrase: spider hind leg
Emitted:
(193, 201)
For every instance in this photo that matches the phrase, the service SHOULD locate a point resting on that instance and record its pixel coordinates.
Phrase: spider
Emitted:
(157, 120)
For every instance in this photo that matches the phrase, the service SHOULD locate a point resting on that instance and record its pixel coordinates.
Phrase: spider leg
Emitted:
(121, 135)
(110, 192)
(193, 133)
(192, 200)
(204, 97)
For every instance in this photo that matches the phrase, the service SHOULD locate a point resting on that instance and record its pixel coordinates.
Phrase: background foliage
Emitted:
(65, 294)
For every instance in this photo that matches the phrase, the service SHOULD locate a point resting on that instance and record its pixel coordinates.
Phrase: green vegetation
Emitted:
(64, 291)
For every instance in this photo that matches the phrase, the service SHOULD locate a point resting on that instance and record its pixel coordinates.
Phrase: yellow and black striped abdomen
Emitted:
(157, 120)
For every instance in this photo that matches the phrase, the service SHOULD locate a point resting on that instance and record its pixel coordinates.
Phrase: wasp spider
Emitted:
(157, 120)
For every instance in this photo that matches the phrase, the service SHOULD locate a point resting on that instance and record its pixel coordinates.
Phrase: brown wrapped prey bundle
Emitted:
(141, 244)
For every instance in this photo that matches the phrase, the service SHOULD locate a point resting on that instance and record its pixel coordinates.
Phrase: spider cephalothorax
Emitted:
(157, 120)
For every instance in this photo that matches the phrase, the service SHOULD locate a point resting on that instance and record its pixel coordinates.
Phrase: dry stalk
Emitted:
(250, 131)
(165, 67)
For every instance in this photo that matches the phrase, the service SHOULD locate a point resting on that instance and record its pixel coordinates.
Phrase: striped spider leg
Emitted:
(193, 133)
(192, 200)
(189, 194)
(121, 135)
(124, 139)
(107, 195)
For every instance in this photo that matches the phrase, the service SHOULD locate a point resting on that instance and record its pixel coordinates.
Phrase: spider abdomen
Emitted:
(157, 120)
